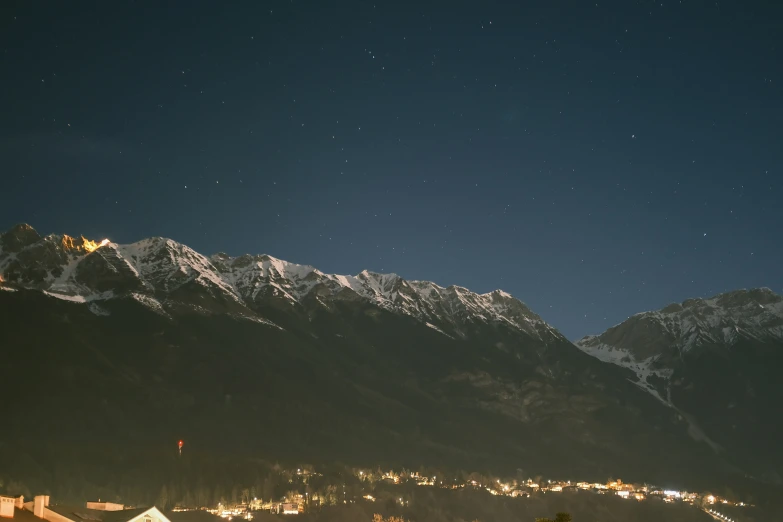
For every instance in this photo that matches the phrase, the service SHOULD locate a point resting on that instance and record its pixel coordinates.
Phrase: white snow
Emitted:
(65, 297)
(6, 260)
(620, 357)
(151, 303)
(166, 263)
(97, 309)
(250, 275)
(438, 330)
(81, 298)
(64, 283)
(644, 369)
(604, 352)
(259, 320)
(163, 265)
(724, 319)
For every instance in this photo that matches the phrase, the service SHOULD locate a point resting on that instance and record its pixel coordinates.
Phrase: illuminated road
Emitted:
(717, 515)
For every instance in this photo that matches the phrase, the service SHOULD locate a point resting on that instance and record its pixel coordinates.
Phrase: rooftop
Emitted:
(79, 513)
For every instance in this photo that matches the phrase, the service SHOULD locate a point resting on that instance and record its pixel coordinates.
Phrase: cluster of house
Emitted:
(292, 506)
(295, 503)
(41, 509)
(526, 488)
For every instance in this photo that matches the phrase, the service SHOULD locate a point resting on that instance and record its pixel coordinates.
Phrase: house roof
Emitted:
(82, 514)
(192, 516)
(123, 515)
(22, 515)
(77, 513)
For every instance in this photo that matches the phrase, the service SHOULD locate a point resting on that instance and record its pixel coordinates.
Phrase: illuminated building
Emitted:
(7, 506)
(109, 512)
(105, 506)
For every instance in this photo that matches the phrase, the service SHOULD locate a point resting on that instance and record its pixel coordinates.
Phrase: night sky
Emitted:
(593, 159)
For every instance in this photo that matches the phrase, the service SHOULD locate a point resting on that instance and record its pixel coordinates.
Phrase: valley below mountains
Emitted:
(114, 352)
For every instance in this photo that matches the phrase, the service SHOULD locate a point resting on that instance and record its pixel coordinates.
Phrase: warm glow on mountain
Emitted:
(69, 243)
(91, 246)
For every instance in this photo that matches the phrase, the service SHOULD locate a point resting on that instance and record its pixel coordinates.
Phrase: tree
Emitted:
(378, 518)
(268, 489)
(559, 517)
(163, 498)
(203, 497)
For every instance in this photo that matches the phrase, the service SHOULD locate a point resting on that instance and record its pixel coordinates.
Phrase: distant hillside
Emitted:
(717, 362)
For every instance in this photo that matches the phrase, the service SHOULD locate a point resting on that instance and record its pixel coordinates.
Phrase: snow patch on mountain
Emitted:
(102, 296)
(5, 260)
(438, 330)
(66, 297)
(651, 344)
(64, 284)
(98, 309)
(644, 368)
(259, 320)
(255, 277)
(151, 303)
(720, 320)
(640, 342)
(169, 265)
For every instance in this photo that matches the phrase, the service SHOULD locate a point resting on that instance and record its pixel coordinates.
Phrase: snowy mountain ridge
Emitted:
(721, 319)
(155, 271)
(649, 342)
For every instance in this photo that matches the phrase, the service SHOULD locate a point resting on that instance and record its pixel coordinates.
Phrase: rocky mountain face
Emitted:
(716, 361)
(160, 272)
(123, 349)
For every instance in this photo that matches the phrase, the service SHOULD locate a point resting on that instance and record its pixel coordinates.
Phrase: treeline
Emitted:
(168, 480)
(338, 488)
(341, 493)
(466, 505)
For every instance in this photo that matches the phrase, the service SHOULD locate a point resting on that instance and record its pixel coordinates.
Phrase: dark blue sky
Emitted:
(593, 159)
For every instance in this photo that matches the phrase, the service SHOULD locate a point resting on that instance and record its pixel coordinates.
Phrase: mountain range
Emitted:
(159, 269)
(120, 350)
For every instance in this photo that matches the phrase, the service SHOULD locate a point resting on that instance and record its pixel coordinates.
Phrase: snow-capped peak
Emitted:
(719, 320)
(263, 276)
(648, 342)
(160, 267)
